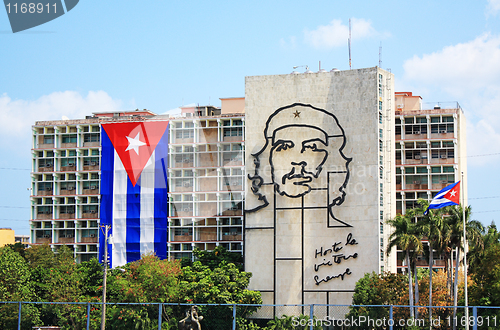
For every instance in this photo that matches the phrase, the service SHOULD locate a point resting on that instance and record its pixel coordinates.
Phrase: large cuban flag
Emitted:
(447, 196)
(134, 190)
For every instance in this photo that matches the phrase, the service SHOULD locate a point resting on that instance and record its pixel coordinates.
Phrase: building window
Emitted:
(93, 137)
(48, 139)
(68, 162)
(409, 170)
(184, 134)
(448, 169)
(183, 182)
(70, 209)
(233, 131)
(421, 169)
(46, 163)
(44, 210)
(91, 161)
(70, 138)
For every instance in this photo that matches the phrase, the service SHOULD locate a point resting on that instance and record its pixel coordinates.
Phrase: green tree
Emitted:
(432, 226)
(40, 255)
(213, 258)
(19, 248)
(473, 231)
(146, 280)
(225, 284)
(378, 289)
(69, 282)
(301, 322)
(485, 270)
(16, 285)
(405, 235)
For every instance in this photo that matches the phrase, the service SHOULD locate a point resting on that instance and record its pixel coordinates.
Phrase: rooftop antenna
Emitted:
(320, 69)
(349, 44)
(300, 66)
(380, 56)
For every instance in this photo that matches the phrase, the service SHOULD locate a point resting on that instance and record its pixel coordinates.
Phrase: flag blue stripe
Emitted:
(438, 206)
(436, 202)
(133, 221)
(161, 197)
(129, 231)
(106, 189)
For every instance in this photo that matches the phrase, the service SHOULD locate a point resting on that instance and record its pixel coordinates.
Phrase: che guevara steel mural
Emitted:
(301, 173)
(305, 147)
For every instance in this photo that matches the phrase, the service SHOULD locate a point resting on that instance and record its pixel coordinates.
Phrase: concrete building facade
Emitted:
(205, 174)
(430, 153)
(7, 236)
(320, 158)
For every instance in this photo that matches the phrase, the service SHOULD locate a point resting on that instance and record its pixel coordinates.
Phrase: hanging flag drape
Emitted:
(134, 190)
(449, 195)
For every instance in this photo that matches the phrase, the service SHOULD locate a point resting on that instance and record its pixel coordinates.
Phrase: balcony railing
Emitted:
(88, 240)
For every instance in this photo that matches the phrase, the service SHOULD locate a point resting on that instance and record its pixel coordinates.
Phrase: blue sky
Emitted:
(110, 55)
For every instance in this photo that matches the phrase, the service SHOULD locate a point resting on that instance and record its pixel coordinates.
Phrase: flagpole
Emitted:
(465, 256)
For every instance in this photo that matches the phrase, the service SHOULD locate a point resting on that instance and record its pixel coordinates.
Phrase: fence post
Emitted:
(474, 314)
(160, 310)
(234, 317)
(391, 321)
(88, 315)
(311, 316)
(19, 318)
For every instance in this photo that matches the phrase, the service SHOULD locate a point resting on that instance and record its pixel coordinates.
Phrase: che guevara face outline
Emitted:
(297, 156)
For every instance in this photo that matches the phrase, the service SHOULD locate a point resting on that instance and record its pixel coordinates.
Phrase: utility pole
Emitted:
(105, 262)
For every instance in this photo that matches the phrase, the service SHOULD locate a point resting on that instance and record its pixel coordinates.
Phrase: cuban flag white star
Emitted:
(135, 143)
(445, 197)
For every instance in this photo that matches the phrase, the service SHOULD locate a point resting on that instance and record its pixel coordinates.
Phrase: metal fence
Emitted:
(87, 315)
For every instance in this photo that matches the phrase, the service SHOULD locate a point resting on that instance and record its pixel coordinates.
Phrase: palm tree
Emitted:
(405, 236)
(490, 236)
(432, 226)
(473, 231)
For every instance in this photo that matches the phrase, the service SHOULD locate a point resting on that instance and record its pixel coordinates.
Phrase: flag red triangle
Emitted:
(453, 194)
(134, 143)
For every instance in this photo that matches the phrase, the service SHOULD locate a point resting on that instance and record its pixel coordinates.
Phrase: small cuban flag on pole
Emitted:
(445, 197)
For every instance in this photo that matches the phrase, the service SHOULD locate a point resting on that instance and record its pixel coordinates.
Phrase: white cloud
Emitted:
(19, 115)
(493, 7)
(336, 34)
(460, 68)
(470, 73)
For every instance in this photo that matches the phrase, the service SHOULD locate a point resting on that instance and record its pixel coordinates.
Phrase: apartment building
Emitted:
(205, 174)
(430, 152)
(7, 236)
(206, 179)
(415, 153)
